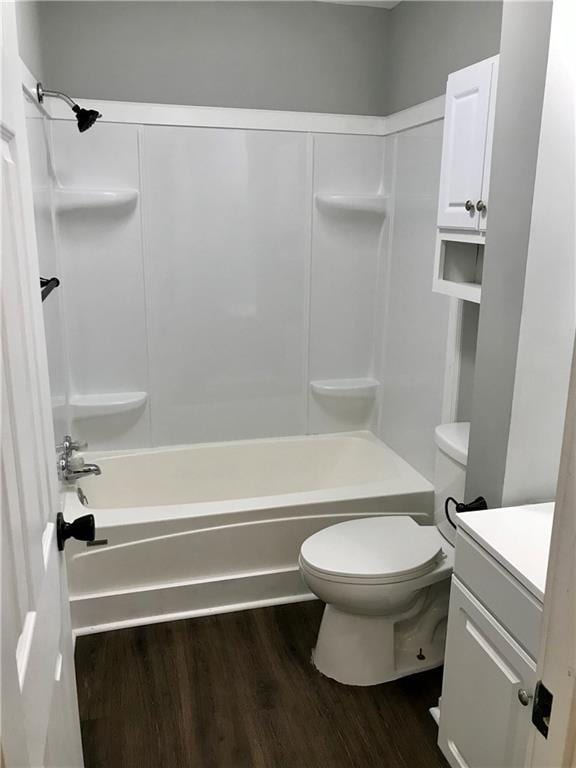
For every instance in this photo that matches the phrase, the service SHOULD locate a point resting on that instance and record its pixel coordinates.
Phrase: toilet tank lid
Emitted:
(452, 439)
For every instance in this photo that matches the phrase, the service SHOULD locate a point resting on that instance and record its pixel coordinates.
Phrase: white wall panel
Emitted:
(416, 320)
(346, 253)
(226, 233)
(102, 279)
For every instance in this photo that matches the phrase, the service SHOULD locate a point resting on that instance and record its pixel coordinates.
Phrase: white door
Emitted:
(466, 132)
(483, 722)
(556, 189)
(39, 711)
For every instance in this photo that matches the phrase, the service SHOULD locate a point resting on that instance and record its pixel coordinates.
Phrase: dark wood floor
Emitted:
(238, 691)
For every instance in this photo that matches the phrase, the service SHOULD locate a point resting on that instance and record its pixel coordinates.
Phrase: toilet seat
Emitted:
(373, 550)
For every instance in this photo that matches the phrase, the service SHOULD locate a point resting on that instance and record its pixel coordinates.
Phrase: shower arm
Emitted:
(41, 93)
(85, 117)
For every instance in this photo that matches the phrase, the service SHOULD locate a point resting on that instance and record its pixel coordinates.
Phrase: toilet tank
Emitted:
(450, 470)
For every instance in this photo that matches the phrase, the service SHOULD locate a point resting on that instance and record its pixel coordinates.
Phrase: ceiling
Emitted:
(374, 3)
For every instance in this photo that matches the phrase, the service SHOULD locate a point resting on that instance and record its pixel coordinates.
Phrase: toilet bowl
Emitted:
(386, 584)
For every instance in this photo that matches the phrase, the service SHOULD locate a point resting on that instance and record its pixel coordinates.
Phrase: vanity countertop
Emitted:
(518, 538)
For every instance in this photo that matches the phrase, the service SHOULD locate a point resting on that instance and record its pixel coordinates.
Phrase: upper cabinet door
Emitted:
(465, 152)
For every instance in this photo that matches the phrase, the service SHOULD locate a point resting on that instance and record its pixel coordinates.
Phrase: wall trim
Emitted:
(139, 113)
(421, 114)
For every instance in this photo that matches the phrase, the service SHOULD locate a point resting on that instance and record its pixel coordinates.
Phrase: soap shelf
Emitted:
(87, 406)
(374, 204)
(68, 200)
(349, 388)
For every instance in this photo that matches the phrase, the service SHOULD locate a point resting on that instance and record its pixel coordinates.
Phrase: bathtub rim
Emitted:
(111, 517)
(165, 512)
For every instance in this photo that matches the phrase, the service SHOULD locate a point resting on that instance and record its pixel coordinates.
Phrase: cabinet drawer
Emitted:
(508, 600)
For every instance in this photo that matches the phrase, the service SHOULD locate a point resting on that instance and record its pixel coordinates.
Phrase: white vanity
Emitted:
(493, 634)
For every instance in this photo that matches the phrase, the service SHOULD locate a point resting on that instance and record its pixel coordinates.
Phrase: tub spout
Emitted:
(75, 472)
(87, 469)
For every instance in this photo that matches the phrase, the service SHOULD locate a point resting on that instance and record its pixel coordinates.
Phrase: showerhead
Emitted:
(85, 117)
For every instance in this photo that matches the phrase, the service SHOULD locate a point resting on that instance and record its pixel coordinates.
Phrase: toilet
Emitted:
(386, 582)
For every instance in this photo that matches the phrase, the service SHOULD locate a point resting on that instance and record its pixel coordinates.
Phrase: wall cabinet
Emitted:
(467, 145)
(488, 683)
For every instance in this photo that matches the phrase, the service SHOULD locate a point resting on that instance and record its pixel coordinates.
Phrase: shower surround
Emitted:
(265, 276)
(221, 290)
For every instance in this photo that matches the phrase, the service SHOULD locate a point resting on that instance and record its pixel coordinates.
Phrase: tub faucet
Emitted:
(70, 475)
(70, 467)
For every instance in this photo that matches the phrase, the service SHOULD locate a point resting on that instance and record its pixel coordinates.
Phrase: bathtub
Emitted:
(201, 529)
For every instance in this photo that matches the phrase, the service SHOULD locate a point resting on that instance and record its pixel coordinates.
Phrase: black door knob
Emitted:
(83, 529)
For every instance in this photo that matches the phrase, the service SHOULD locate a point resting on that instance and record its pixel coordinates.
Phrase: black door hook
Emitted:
(82, 529)
(47, 285)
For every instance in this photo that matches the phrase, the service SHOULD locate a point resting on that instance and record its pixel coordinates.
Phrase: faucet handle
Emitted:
(67, 446)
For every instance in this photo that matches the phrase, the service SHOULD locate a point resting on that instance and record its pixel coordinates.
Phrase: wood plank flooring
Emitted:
(238, 691)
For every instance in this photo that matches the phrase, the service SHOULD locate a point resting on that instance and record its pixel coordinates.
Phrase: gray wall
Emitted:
(313, 57)
(523, 59)
(427, 40)
(29, 36)
(317, 57)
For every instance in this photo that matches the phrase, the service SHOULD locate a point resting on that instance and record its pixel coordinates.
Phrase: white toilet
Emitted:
(386, 582)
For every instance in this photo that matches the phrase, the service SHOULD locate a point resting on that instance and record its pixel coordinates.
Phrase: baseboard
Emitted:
(170, 602)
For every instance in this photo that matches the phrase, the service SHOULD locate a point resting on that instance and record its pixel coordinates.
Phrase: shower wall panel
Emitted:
(226, 234)
(38, 130)
(345, 289)
(103, 280)
(415, 323)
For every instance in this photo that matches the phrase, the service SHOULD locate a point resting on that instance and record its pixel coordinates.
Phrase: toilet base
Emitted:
(369, 650)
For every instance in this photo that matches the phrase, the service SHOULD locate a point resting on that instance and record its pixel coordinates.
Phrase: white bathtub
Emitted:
(209, 528)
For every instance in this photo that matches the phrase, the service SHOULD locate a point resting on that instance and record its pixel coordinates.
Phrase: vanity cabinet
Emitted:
(488, 684)
(493, 635)
(467, 147)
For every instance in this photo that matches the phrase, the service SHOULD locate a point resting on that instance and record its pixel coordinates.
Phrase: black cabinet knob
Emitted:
(82, 529)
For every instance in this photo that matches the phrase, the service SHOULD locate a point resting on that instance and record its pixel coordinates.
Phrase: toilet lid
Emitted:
(375, 548)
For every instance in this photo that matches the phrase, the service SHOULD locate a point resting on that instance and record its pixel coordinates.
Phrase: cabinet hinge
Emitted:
(542, 708)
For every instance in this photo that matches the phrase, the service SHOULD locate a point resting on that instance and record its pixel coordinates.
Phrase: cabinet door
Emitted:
(466, 125)
(483, 723)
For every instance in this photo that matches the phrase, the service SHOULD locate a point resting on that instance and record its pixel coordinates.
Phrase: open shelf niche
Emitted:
(458, 265)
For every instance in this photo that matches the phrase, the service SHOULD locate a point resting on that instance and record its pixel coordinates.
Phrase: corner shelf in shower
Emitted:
(374, 204)
(68, 200)
(109, 404)
(348, 388)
